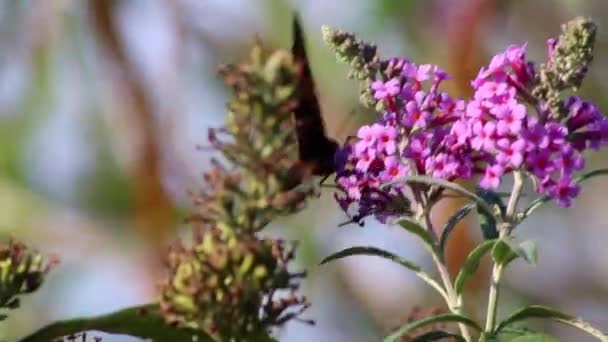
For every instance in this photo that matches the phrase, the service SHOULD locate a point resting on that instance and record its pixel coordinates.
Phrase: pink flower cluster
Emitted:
(426, 132)
(412, 137)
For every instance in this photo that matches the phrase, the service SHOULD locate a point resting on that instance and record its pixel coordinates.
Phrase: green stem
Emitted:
(454, 301)
(497, 269)
(518, 185)
(493, 298)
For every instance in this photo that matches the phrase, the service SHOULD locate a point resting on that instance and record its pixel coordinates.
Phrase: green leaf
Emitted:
(447, 318)
(415, 228)
(544, 199)
(451, 224)
(437, 335)
(443, 184)
(537, 311)
(534, 337)
(374, 251)
(507, 250)
(471, 264)
(143, 321)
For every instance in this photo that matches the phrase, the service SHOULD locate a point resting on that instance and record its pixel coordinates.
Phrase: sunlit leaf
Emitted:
(142, 321)
(443, 318)
(374, 251)
(507, 250)
(471, 264)
(416, 229)
(537, 311)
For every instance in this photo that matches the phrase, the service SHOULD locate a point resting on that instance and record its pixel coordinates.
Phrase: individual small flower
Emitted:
(510, 118)
(484, 136)
(418, 148)
(495, 90)
(564, 191)
(386, 139)
(536, 135)
(352, 186)
(492, 176)
(365, 160)
(540, 163)
(511, 153)
(569, 160)
(461, 130)
(556, 134)
(441, 166)
(415, 115)
(393, 169)
(383, 90)
(422, 74)
(367, 137)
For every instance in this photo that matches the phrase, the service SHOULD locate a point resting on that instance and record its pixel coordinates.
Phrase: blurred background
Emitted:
(103, 104)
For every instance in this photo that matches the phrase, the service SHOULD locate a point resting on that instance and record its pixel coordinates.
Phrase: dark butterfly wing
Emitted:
(316, 150)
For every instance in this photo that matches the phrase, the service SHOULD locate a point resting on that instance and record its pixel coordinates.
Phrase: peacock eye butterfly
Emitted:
(316, 150)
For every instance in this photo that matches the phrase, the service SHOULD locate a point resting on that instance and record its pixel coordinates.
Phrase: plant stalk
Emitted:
(454, 301)
(497, 269)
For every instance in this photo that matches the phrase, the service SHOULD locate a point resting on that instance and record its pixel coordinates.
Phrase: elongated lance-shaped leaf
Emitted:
(374, 251)
(416, 229)
(471, 264)
(450, 225)
(438, 335)
(544, 199)
(443, 318)
(538, 311)
(443, 184)
(142, 321)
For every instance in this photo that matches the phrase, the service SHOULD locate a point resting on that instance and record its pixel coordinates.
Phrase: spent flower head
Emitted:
(233, 287)
(22, 271)
(230, 283)
(259, 141)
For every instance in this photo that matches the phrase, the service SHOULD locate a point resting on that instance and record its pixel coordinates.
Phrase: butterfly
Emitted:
(315, 149)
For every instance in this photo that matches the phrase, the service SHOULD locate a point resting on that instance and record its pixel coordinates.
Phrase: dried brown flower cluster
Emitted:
(21, 272)
(228, 285)
(228, 282)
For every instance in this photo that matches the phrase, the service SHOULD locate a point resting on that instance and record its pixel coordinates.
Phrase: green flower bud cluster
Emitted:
(569, 60)
(228, 284)
(259, 140)
(365, 63)
(361, 56)
(21, 272)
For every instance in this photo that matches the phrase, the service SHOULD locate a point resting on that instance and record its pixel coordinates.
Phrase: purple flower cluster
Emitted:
(502, 131)
(424, 131)
(412, 137)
